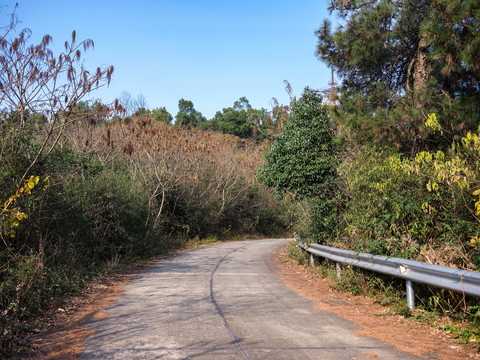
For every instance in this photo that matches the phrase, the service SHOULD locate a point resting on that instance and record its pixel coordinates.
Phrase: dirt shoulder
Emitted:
(62, 333)
(375, 320)
(63, 336)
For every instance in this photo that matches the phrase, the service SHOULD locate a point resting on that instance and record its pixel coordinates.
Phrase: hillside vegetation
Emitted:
(392, 167)
(114, 192)
(86, 187)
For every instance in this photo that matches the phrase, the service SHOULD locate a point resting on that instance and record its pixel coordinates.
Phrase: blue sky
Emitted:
(211, 52)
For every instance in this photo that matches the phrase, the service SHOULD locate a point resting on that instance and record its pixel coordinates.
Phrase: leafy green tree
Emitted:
(399, 61)
(231, 121)
(301, 161)
(161, 114)
(187, 115)
(234, 120)
(241, 119)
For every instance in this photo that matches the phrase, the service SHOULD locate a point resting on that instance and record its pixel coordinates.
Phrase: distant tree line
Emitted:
(241, 119)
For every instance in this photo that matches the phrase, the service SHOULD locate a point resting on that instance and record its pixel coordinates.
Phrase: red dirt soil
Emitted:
(375, 320)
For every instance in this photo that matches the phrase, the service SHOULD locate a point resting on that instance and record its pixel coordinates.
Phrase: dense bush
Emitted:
(421, 208)
(115, 192)
(302, 161)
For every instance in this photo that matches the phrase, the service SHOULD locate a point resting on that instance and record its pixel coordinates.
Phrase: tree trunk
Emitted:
(420, 73)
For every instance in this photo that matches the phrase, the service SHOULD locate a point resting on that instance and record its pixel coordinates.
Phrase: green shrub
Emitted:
(381, 213)
(391, 208)
(302, 161)
(296, 252)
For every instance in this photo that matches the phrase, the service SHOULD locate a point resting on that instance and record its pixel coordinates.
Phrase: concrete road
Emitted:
(224, 302)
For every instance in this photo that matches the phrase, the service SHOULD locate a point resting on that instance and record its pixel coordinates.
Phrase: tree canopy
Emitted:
(187, 115)
(399, 61)
(241, 119)
(161, 114)
(300, 159)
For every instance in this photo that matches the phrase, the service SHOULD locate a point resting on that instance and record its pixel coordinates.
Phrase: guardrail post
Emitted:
(410, 295)
(463, 281)
(339, 270)
(313, 260)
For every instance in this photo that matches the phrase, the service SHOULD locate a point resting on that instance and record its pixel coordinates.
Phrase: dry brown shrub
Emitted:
(446, 255)
(213, 170)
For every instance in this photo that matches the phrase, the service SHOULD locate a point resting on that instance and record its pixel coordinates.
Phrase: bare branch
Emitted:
(34, 81)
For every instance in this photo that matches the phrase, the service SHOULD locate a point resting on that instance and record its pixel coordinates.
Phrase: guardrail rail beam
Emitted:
(463, 281)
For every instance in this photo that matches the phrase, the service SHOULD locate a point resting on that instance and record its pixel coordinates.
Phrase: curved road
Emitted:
(224, 301)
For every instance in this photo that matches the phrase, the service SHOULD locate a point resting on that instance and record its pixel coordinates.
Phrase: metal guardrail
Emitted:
(463, 281)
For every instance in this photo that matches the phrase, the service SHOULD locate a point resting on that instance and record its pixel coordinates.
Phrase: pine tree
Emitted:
(400, 61)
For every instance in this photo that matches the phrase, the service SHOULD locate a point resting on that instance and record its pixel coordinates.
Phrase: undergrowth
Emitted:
(112, 194)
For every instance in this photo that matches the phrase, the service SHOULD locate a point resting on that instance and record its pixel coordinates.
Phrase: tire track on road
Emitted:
(219, 310)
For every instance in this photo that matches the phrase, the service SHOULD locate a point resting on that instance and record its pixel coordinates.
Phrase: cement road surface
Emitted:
(224, 301)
